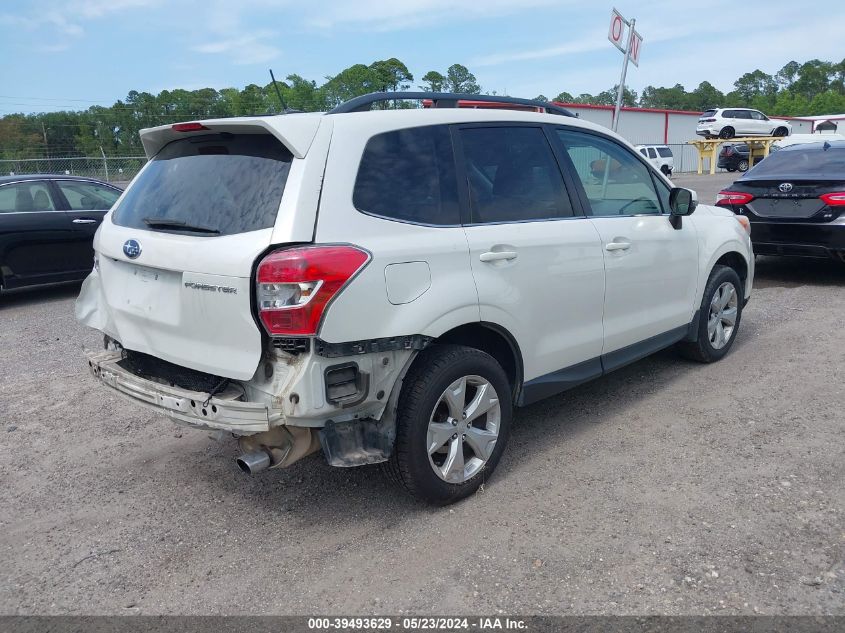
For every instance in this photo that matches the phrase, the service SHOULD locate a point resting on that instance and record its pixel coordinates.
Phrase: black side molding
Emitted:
(558, 381)
(564, 379)
(633, 353)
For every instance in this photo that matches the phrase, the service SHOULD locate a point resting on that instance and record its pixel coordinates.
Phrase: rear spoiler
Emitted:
(294, 131)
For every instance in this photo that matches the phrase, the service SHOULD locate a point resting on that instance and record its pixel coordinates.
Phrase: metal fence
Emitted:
(122, 169)
(686, 157)
(116, 169)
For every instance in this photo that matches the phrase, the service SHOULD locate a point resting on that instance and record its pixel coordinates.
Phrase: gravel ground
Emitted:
(666, 487)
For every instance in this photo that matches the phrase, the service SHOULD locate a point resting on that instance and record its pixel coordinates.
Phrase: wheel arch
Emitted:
(494, 340)
(732, 258)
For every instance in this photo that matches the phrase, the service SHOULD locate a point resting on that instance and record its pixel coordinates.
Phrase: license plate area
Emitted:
(152, 293)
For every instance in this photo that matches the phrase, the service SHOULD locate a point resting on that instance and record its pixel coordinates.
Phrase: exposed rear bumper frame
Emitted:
(221, 412)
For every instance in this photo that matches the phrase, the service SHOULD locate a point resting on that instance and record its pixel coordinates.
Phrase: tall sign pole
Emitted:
(630, 51)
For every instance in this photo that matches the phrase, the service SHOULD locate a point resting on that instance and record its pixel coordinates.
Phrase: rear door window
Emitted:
(215, 184)
(409, 175)
(664, 152)
(513, 175)
(26, 197)
(87, 196)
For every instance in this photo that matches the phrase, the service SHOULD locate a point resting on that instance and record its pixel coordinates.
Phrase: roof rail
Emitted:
(440, 100)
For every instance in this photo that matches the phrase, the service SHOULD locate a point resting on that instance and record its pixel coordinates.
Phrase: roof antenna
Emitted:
(278, 92)
(826, 145)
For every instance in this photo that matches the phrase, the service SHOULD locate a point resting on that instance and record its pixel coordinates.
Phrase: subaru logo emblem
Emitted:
(131, 248)
(785, 187)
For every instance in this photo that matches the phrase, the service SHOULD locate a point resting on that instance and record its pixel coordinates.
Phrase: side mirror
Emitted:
(682, 201)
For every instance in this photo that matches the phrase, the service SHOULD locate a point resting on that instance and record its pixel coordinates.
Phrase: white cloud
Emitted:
(243, 49)
(583, 45)
(66, 19)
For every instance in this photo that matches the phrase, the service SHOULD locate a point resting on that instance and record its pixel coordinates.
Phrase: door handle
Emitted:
(495, 256)
(617, 246)
(84, 221)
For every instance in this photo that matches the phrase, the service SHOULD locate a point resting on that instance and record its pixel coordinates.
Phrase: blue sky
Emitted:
(68, 54)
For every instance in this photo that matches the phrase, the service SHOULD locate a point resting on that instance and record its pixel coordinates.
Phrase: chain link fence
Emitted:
(121, 169)
(116, 169)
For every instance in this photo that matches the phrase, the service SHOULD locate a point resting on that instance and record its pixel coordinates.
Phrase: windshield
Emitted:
(215, 184)
(801, 162)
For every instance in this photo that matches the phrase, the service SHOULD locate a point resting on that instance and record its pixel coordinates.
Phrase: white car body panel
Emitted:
(651, 286)
(717, 238)
(550, 297)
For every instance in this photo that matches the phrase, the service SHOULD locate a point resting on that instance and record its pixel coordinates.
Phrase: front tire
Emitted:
(719, 317)
(781, 131)
(726, 132)
(452, 424)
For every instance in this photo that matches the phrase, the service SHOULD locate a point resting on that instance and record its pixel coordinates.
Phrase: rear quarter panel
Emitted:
(363, 310)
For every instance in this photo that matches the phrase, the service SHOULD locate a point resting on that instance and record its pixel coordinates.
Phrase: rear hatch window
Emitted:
(811, 162)
(214, 184)
(707, 114)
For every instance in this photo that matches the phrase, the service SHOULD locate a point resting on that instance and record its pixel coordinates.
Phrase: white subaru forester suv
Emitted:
(386, 285)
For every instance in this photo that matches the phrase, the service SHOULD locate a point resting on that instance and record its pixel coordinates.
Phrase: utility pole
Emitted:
(46, 145)
(105, 163)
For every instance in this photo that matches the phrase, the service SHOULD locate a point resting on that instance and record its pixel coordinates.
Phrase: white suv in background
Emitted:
(732, 122)
(386, 285)
(660, 156)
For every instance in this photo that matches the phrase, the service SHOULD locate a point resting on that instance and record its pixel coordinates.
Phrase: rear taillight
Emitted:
(706, 120)
(294, 286)
(187, 127)
(729, 151)
(729, 198)
(834, 199)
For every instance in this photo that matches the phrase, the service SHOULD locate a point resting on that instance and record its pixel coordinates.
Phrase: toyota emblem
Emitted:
(785, 187)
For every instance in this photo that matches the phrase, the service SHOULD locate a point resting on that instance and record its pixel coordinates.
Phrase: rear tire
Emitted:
(727, 132)
(742, 165)
(718, 318)
(666, 171)
(444, 452)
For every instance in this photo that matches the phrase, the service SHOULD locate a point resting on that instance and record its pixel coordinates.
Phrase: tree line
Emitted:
(812, 87)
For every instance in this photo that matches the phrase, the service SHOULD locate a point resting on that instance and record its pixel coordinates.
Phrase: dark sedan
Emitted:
(734, 157)
(47, 225)
(795, 201)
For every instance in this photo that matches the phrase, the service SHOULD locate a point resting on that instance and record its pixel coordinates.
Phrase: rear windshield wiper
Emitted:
(181, 225)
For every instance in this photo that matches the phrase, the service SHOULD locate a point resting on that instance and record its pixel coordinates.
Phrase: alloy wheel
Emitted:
(723, 313)
(463, 429)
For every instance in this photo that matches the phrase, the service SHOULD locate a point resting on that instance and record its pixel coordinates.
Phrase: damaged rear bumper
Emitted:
(224, 411)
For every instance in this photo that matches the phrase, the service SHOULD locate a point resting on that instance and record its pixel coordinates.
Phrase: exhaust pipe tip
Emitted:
(254, 462)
